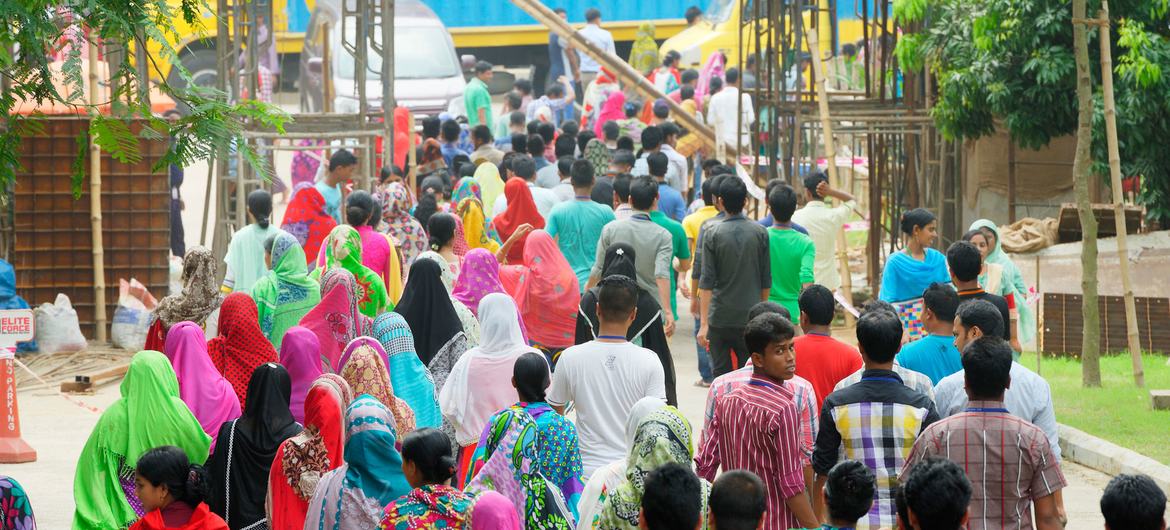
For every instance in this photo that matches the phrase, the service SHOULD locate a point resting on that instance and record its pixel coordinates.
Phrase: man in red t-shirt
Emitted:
(821, 359)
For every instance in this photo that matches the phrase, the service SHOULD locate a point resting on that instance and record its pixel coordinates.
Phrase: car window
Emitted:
(411, 60)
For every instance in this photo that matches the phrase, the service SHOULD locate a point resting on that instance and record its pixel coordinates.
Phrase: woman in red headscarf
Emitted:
(240, 346)
(546, 293)
(521, 211)
(306, 219)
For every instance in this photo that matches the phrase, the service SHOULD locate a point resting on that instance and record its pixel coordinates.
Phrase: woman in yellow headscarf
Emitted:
(491, 186)
(644, 53)
(476, 230)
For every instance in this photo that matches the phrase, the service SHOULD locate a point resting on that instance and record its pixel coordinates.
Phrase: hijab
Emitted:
(353, 496)
(432, 157)
(343, 249)
(545, 289)
(467, 321)
(614, 109)
(206, 392)
(477, 231)
(597, 154)
(306, 219)
(400, 225)
(905, 278)
(490, 183)
(303, 459)
(149, 414)
(200, 295)
(512, 470)
(712, 68)
(620, 260)
(493, 511)
(644, 53)
(1012, 281)
(479, 276)
(365, 371)
(300, 354)
(287, 293)
(409, 377)
(427, 309)
(336, 319)
(240, 346)
(521, 209)
(240, 465)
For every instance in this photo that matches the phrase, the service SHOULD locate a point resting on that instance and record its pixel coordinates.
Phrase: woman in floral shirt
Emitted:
(428, 465)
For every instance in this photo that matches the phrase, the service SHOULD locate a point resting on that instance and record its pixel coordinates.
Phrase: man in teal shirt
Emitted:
(342, 164)
(935, 355)
(476, 98)
(792, 253)
(577, 224)
(680, 249)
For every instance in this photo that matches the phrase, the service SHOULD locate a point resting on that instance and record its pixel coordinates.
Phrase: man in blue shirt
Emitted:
(341, 167)
(450, 145)
(670, 201)
(577, 224)
(935, 354)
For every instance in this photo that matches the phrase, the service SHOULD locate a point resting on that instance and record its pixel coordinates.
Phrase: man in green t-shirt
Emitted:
(476, 98)
(680, 251)
(792, 253)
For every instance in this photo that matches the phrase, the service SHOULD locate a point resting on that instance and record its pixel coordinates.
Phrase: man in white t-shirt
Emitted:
(605, 377)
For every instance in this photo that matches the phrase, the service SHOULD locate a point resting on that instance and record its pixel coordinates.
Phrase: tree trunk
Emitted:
(1091, 341)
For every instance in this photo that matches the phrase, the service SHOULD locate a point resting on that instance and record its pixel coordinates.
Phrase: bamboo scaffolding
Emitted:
(95, 204)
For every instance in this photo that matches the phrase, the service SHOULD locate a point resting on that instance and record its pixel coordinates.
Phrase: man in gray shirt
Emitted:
(652, 246)
(737, 274)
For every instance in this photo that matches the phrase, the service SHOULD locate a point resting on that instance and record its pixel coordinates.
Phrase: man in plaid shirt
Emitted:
(875, 420)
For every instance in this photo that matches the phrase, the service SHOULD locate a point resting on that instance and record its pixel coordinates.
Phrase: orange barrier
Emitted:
(15, 325)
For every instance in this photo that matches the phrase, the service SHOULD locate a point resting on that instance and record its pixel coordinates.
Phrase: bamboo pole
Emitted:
(95, 204)
(831, 156)
(1131, 327)
(411, 152)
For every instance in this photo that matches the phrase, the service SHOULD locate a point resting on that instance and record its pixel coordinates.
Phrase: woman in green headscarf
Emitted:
(287, 293)
(644, 53)
(343, 248)
(150, 414)
(1011, 281)
(664, 437)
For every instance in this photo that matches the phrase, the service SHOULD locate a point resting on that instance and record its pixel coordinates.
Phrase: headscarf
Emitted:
(614, 109)
(206, 392)
(426, 307)
(546, 291)
(200, 295)
(1013, 281)
(240, 346)
(468, 401)
(149, 414)
(479, 276)
(303, 459)
(467, 321)
(300, 354)
(494, 512)
(408, 375)
(644, 53)
(287, 293)
(240, 465)
(433, 506)
(400, 225)
(245, 255)
(512, 470)
(597, 154)
(432, 157)
(664, 437)
(905, 278)
(459, 245)
(306, 219)
(477, 230)
(606, 479)
(353, 496)
(343, 249)
(365, 371)
(490, 183)
(521, 210)
(712, 68)
(336, 319)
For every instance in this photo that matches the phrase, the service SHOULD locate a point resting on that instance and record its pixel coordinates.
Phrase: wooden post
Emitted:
(1131, 327)
(411, 154)
(95, 202)
(831, 157)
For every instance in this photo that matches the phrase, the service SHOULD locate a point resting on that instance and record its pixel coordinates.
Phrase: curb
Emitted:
(1112, 459)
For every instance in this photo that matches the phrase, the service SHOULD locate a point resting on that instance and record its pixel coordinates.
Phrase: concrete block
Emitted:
(1160, 399)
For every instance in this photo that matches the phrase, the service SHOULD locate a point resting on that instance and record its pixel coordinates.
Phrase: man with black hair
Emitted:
(1016, 469)
(620, 199)
(692, 14)
(548, 133)
(485, 148)
(534, 146)
(558, 98)
(512, 103)
(678, 162)
(737, 502)
(342, 165)
(757, 427)
(577, 223)
(673, 495)
(450, 144)
(724, 114)
(935, 354)
(848, 494)
(605, 377)
(600, 38)
(523, 167)
(792, 253)
(652, 246)
(823, 223)
(518, 143)
(670, 201)
(1133, 502)
(936, 495)
(564, 146)
(431, 127)
(736, 274)
(880, 415)
(476, 98)
(652, 142)
(610, 131)
(691, 225)
(564, 188)
(965, 262)
(768, 220)
(824, 360)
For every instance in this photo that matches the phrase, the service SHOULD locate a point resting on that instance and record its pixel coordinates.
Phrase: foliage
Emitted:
(38, 28)
(1009, 64)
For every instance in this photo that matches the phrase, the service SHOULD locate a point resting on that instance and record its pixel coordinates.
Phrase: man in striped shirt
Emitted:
(1010, 464)
(756, 427)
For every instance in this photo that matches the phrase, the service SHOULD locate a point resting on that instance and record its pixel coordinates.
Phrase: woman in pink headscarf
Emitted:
(300, 355)
(206, 392)
(713, 68)
(479, 277)
(614, 109)
(337, 320)
(546, 293)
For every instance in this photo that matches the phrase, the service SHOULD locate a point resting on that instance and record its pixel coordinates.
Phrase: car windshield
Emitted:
(411, 61)
(719, 11)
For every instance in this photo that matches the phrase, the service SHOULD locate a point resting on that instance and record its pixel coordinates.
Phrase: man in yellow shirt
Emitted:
(691, 225)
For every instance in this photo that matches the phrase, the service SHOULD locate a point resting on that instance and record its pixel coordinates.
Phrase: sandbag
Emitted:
(58, 329)
(132, 317)
(1029, 235)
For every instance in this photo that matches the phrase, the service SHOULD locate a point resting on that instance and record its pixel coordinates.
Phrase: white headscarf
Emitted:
(499, 327)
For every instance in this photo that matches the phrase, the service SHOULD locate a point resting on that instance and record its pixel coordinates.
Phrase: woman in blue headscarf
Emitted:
(411, 380)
